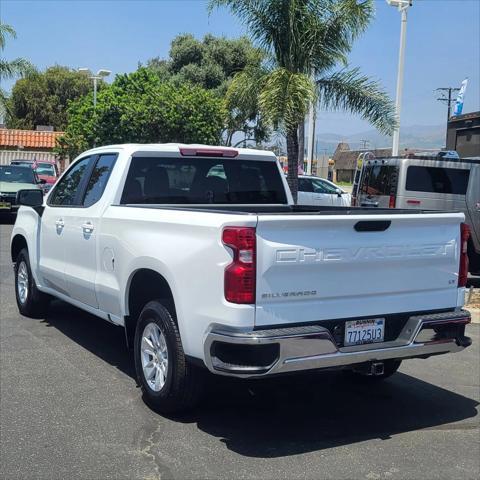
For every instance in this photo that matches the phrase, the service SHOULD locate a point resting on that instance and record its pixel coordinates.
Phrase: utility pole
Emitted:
(402, 6)
(447, 96)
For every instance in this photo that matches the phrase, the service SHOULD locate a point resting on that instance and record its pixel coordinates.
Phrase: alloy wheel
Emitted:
(154, 356)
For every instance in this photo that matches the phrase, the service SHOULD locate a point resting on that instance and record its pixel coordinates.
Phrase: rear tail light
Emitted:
(240, 274)
(391, 202)
(463, 271)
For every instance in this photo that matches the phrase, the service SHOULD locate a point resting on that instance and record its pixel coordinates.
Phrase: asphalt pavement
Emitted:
(70, 408)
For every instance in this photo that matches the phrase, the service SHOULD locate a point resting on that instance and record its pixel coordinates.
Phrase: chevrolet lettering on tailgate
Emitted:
(292, 255)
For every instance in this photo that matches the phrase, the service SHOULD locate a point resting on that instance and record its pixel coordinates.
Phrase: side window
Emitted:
(305, 185)
(319, 187)
(99, 178)
(66, 190)
(437, 180)
(327, 188)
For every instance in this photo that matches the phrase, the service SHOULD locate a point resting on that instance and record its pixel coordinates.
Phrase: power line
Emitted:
(365, 143)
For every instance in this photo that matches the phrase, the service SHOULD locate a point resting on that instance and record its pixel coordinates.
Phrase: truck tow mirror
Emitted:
(30, 198)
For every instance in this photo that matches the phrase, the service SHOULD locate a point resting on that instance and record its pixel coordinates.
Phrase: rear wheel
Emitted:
(30, 301)
(169, 382)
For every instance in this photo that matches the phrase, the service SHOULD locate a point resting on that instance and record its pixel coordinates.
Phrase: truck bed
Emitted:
(288, 209)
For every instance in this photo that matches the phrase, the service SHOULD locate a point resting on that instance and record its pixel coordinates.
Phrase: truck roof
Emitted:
(131, 148)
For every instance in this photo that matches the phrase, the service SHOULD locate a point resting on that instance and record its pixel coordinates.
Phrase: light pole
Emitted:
(402, 6)
(101, 74)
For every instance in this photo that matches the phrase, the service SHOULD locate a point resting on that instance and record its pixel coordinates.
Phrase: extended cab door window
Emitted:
(99, 178)
(66, 192)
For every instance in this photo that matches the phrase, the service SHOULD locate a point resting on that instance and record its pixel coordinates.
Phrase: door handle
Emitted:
(87, 227)
(60, 223)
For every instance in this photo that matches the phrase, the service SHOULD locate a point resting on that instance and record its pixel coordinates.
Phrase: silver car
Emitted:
(426, 184)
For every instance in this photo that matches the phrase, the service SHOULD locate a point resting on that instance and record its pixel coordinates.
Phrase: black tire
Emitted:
(183, 383)
(389, 368)
(35, 303)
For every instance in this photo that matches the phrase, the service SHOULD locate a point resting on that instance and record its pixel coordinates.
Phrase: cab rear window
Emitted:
(437, 180)
(161, 180)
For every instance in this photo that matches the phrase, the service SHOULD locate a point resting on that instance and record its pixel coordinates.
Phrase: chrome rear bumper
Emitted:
(313, 347)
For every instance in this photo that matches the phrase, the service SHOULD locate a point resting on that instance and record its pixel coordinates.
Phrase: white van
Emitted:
(426, 184)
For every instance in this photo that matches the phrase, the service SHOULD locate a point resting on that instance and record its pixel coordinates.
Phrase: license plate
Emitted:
(5, 206)
(358, 332)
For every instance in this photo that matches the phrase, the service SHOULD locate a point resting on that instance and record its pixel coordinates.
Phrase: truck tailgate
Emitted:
(319, 267)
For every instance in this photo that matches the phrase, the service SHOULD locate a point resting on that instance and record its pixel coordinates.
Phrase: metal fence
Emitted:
(6, 156)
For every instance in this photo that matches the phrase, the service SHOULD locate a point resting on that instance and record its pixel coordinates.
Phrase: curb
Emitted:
(475, 312)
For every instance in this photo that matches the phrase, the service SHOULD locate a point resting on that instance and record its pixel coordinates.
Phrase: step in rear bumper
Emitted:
(313, 347)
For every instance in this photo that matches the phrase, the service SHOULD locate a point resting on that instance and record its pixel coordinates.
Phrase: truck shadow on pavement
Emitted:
(288, 415)
(292, 415)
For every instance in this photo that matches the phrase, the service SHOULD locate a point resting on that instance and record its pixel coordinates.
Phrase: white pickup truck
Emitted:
(199, 253)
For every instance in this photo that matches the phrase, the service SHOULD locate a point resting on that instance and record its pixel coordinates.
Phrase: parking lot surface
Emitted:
(70, 408)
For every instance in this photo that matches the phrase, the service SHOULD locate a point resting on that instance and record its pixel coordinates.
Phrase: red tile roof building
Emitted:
(28, 139)
(28, 145)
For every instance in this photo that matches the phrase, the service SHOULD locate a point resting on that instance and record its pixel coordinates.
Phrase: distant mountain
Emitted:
(416, 136)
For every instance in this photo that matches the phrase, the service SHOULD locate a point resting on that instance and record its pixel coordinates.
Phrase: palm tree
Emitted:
(306, 41)
(18, 67)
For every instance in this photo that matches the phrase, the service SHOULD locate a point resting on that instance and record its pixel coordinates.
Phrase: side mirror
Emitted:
(339, 192)
(42, 181)
(30, 198)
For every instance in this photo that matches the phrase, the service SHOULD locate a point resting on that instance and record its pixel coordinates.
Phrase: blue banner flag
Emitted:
(459, 103)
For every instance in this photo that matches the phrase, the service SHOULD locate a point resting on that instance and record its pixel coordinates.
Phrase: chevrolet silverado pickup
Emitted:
(199, 253)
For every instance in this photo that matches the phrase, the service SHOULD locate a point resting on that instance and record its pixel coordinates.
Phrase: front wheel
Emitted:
(169, 382)
(30, 301)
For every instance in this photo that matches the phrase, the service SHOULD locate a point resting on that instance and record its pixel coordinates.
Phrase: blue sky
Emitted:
(443, 44)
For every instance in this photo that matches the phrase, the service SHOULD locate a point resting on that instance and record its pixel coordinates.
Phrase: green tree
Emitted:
(42, 98)
(10, 68)
(141, 108)
(212, 63)
(306, 41)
